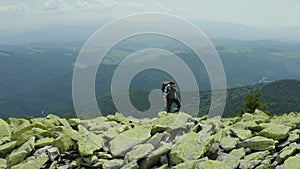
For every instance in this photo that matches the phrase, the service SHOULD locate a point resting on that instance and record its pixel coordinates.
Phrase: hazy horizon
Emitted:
(19, 16)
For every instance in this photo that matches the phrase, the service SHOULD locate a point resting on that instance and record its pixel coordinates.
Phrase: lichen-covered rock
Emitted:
(276, 132)
(88, 142)
(242, 134)
(286, 152)
(125, 141)
(139, 151)
(7, 147)
(191, 147)
(158, 138)
(154, 157)
(3, 163)
(213, 164)
(64, 141)
(258, 143)
(168, 141)
(258, 117)
(19, 154)
(113, 164)
(292, 162)
(234, 157)
(228, 143)
(252, 160)
(4, 129)
(47, 141)
(170, 121)
(32, 162)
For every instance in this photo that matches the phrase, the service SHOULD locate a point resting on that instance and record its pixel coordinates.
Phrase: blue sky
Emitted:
(20, 15)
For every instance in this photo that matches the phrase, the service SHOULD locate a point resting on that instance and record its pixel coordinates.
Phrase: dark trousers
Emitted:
(170, 102)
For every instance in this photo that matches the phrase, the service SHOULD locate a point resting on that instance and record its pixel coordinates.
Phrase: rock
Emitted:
(17, 123)
(191, 147)
(104, 155)
(40, 151)
(186, 165)
(213, 151)
(154, 157)
(4, 140)
(96, 124)
(47, 141)
(23, 134)
(19, 154)
(4, 129)
(242, 134)
(125, 141)
(228, 143)
(88, 142)
(292, 120)
(211, 164)
(113, 164)
(258, 143)
(64, 141)
(139, 151)
(130, 165)
(286, 152)
(294, 136)
(53, 153)
(90, 160)
(234, 157)
(53, 165)
(77, 162)
(158, 138)
(252, 125)
(3, 163)
(7, 147)
(276, 132)
(169, 121)
(258, 117)
(292, 162)
(252, 160)
(32, 162)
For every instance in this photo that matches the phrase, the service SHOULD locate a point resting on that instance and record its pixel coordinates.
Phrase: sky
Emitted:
(22, 15)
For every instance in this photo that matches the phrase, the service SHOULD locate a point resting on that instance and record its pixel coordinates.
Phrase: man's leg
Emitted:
(176, 101)
(169, 104)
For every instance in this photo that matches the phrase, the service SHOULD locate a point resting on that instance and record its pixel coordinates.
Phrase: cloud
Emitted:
(53, 5)
(84, 5)
(161, 7)
(12, 8)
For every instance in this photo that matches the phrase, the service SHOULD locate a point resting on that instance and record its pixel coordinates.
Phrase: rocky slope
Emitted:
(169, 141)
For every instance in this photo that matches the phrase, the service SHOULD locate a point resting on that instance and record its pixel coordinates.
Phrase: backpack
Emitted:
(163, 86)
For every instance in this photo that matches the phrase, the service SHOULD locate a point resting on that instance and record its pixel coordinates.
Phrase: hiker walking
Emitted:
(170, 94)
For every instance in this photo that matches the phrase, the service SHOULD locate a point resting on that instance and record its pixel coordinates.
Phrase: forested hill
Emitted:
(281, 96)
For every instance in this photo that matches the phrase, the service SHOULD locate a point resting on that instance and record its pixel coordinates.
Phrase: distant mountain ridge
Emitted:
(281, 97)
(82, 31)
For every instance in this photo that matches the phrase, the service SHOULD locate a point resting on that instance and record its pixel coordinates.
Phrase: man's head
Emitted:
(172, 84)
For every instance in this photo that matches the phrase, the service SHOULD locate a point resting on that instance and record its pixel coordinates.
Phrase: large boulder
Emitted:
(275, 131)
(19, 154)
(8, 147)
(123, 142)
(88, 142)
(234, 157)
(228, 143)
(4, 129)
(191, 147)
(32, 162)
(252, 160)
(292, 162)
(258, 143)
(139, 151)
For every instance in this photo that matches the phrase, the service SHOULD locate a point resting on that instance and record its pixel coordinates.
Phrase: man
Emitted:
(171, 96)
